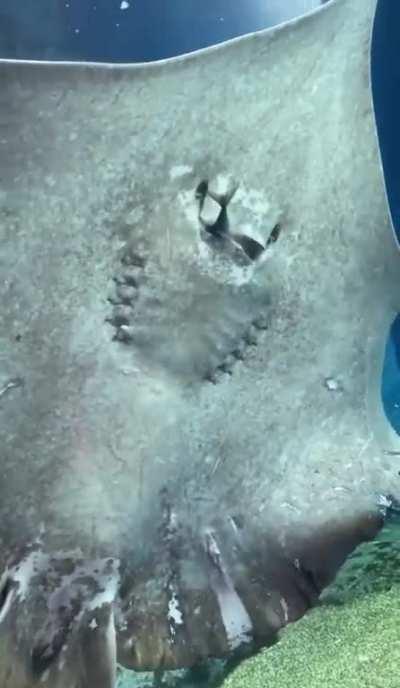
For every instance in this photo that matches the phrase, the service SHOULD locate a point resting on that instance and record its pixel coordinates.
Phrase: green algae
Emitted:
(374, 567)
(351, 641)
(356, 645)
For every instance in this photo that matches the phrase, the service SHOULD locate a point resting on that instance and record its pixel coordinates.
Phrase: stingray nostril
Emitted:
(228, 222)
(274, 236)
(201, 190)
(252, 248)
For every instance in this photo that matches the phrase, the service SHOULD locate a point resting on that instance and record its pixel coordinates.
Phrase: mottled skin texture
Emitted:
(175, 464)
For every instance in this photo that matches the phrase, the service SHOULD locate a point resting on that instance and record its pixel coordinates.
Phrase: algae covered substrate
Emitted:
(351, 640)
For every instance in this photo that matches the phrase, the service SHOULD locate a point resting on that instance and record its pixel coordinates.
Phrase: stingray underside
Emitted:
(198, 269)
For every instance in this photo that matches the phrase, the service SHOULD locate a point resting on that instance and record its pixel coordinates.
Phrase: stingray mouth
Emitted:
(214, 198)
(195, 299)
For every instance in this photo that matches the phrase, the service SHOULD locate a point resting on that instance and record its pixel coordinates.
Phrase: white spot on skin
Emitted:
(26, 570)
(285, 610)
(135, 216)
(253, 201)
(107, 596)
(180, 171)
(213, 549)
(234, 615)
(50, 181)
(63, 653)
(384, 501)
(173, 521)
(233, 524)
(331, 384)
(129, 644)
(93, 624)
(123, 625)
(223, 185)
(124, 5)
(237, 622)
(111, 637)
(210, 211)
(174, 615)
(45, 676)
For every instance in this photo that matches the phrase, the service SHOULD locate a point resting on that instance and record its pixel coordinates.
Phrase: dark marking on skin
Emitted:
(307, 585)
(252, 248)
(274, 236)
(127, 284)
(249, 339)
(126, 302)
(132, 257)
(44, 654)
(201, 191)
(5, 591)
(224, 199)
(124, 334)
(128, 277)
(121, 316)
(158, 676)
(220, 228)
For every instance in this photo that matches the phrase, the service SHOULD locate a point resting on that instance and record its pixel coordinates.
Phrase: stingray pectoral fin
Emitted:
(319, 556)
(57, 629)
(230, 592)
(82, 653)
(47, 648)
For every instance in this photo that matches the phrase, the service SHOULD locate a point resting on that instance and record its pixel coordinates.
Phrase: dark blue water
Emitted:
(131, 30)
(385, 70)
(391, 376)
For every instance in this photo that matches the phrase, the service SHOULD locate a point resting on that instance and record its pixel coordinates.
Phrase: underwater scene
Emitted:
(199, 344)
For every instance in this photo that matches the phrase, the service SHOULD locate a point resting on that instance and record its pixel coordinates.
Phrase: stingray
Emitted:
(198, 276)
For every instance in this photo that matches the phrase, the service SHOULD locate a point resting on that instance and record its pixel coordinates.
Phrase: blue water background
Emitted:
(385, 72)
(134, 30)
